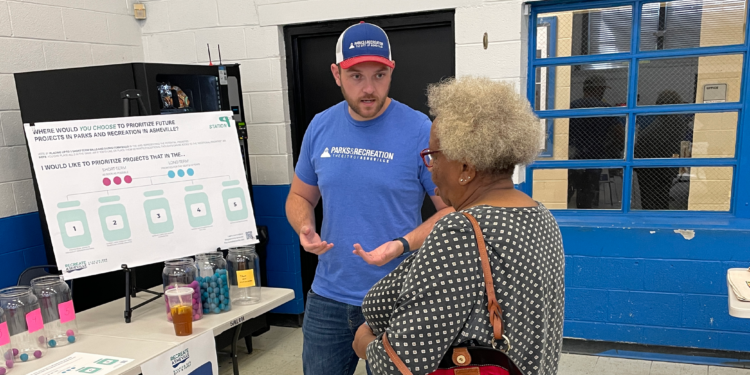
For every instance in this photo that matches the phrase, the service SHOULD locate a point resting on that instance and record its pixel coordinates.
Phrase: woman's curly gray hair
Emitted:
(484, 123)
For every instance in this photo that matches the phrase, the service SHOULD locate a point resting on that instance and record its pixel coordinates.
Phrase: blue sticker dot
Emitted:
(180, 173)
(24, 357)
(71, 339)
(190, 171)
(52, 343)
(170, 174)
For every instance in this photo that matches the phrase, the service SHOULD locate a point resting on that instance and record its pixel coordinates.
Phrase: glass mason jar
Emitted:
(243, 266)
(6, 363)
(25, 324)
(56, 302)
(212, 276)
(182, 272)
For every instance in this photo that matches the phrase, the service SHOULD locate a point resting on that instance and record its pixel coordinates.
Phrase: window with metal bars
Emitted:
(645, 106)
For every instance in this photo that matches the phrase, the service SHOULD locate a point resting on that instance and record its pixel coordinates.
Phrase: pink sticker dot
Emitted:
(106, 181)
(117, 180)
(128, 179)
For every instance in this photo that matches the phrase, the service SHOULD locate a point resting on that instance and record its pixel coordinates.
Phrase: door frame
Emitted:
(293, 33)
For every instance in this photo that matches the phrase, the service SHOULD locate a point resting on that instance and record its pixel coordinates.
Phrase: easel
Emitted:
(130, 283)
(131, 290)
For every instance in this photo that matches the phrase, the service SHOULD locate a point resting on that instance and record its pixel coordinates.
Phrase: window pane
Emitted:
(579, 188)
(577, 138)
(705, 79)
(685, 189)
(584, 32)
(692, 23)
(686, 135)
(582, 86)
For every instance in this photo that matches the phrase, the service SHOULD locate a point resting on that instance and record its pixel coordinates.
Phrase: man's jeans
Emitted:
(328, 330)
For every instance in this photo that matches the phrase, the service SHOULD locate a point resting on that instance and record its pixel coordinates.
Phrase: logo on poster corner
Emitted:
(325, 153)
(225, 123)
(180, 358)
(77, 266)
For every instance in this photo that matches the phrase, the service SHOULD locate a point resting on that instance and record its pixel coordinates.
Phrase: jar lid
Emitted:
(179, 261)
(45, 281)
(243, 249)
(15, 291)
(213, 255)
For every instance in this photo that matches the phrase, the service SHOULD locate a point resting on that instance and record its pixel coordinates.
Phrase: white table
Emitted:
(150, 321)
(737, 308)
(102, 330)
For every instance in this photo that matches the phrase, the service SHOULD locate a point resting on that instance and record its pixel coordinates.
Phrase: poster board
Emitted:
(140, 190)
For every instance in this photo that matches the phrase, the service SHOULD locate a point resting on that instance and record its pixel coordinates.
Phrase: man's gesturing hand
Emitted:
(311, 242)
(382, 255)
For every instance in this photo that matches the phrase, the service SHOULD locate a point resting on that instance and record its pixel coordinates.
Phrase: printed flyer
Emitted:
(83, 363)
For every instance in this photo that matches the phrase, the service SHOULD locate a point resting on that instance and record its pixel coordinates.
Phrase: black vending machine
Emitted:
(114, 91)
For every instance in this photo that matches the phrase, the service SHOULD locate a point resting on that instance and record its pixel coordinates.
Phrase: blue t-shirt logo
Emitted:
(358, 154)
(372, 181)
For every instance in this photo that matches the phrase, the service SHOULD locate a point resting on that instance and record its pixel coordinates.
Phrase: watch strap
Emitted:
(405, 243)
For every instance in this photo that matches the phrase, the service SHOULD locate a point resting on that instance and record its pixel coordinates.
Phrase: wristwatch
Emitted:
(405, 243)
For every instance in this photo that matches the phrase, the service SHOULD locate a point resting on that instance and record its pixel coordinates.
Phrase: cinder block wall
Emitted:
(38, 35)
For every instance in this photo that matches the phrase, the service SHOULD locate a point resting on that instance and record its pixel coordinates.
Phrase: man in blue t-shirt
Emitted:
(362, 157)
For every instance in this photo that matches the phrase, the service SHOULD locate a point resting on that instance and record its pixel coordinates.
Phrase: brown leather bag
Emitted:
(473, 360)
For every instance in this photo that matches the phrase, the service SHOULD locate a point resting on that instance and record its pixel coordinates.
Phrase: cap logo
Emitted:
(363, 42)
(367, 43)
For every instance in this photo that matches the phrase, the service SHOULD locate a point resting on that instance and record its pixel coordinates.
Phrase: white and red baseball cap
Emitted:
(361, 43)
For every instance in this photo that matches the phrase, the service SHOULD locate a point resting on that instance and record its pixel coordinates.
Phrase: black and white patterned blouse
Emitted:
(436, 298)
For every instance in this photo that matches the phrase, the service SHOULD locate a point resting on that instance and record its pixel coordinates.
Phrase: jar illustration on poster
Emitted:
(74, 226)
(114, 219)
(234, 201)
(158, 214)
(198, 208)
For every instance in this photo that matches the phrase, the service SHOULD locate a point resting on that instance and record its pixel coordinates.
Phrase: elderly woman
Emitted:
(435, 299)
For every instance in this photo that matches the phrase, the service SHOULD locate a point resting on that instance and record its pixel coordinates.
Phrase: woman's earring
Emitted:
(462, 180)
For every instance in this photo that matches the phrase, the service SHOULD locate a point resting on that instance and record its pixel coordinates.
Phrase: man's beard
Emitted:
(355, 103)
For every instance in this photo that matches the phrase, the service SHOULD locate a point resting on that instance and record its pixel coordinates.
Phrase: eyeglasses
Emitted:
(427, 158)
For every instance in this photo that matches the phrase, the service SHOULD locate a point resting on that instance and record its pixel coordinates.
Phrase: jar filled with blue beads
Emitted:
(6, 364)
(28, 339)
(212, 276)
(58, 313)
(182, 273)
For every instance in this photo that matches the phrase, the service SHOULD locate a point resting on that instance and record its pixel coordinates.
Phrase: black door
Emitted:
(423, 47)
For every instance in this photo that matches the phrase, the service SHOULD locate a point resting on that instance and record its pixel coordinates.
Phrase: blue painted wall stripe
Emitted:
(283, 252)
(22, 246)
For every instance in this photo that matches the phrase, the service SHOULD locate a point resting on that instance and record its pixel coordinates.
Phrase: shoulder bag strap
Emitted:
(394, 357)
(496, 312)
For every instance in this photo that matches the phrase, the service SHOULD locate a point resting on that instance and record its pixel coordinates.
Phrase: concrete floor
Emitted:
(279, 351)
